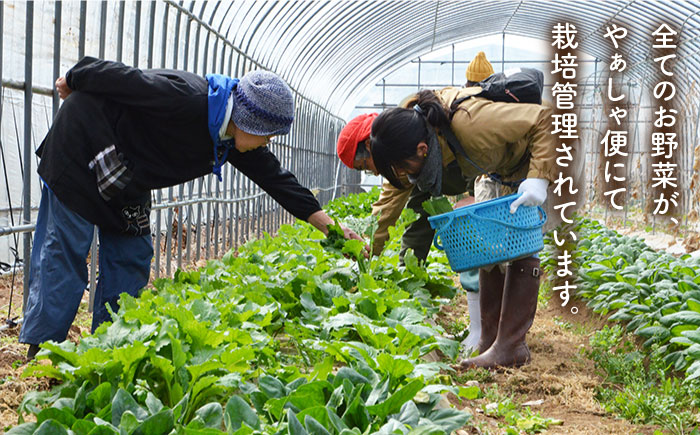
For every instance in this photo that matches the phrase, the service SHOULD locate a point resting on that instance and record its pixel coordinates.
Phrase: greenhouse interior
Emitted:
(439, 216)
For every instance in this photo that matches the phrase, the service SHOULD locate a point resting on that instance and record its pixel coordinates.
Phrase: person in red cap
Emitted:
(354, 150)
(353, 143)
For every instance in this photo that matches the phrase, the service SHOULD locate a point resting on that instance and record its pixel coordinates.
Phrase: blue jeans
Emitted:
(58, 271)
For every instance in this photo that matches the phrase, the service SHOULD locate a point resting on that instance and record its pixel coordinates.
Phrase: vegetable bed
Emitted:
(654, 294)
(283, 336)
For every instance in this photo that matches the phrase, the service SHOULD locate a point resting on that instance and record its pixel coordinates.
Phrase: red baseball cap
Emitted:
(354, 132)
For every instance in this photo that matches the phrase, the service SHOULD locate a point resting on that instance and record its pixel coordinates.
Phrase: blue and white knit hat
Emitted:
(263, 104)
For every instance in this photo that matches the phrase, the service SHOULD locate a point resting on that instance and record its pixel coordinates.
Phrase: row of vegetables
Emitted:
(300, 334)
(654, 294)
(284, 336)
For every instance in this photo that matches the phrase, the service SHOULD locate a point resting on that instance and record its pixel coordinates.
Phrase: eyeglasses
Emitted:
(362, 156)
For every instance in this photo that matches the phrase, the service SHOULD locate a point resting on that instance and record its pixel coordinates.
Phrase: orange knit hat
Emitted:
(479, 68)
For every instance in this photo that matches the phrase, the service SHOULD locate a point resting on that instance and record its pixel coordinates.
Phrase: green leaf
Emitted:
(683, 317)
(409, 414)
(318, 413)
(51, 427)
(63, 416)
(395, 367)
(200, 431)
(655, 331)
(694, 305)
(103, 430)
(449, 347)
(693, 372)
(158, 424)
(394, 403)
(100, 396)
(272, 387)
(694, 351)
(237, 412)
(427, 429)
(153, 404)
(311, 394)
(123, 401)
(683, 341)
(212, 414)
(406, 315)
(469, 393)
(22, 429)
(276, 406)
(356, 415)
(437, 205)
(83, 427)
(354, 247)
(379, 393)
(336, 423)
(392, 427)
(342, 320)
(595, 271)
(414, 266)
(80, 401)
(295, 427)
(314, 427)
(678, 330)
(350, 374)
(128, 422)
(693, 335)
(448, 419)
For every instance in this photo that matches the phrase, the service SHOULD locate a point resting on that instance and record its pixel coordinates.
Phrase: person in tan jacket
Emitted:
(509, 142)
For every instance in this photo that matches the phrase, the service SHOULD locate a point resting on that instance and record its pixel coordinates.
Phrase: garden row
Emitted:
(654, 294)
(283, 336)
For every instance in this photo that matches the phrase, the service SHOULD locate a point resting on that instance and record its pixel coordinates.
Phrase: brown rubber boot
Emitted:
(517, 314)
(490, 297)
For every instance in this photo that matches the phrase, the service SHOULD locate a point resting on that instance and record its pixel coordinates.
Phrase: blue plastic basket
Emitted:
(487, 233)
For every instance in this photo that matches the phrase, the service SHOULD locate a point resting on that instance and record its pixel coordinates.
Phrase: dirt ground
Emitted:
(13, 354)
(558, 376)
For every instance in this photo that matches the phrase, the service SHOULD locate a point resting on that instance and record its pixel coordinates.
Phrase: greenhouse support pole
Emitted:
(503, 52)
(337, 174)
(27, 212)
(56, 55)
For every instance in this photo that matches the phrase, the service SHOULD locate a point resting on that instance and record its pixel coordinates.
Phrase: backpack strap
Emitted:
(455, 105)
(456, 148)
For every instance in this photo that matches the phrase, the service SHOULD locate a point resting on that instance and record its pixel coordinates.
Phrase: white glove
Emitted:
(534, 192)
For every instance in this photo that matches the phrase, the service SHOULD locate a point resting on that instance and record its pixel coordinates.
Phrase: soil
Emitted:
(13, 359)
(558, 376)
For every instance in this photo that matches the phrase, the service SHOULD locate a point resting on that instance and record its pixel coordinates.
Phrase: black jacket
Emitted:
(125, 131)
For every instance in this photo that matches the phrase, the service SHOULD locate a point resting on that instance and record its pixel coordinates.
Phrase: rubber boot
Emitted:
(471, 343)
(32, 351)
(490, 296)
(516, 317)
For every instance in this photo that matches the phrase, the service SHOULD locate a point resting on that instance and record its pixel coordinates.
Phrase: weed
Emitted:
(457, 328)
(544, 294)
(562, 323)
(477, 374)
(518, 420)
(639, 387)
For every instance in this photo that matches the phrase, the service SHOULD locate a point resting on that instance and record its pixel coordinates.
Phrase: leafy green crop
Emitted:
(436, 206)
(284, 337)
(656, 295)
